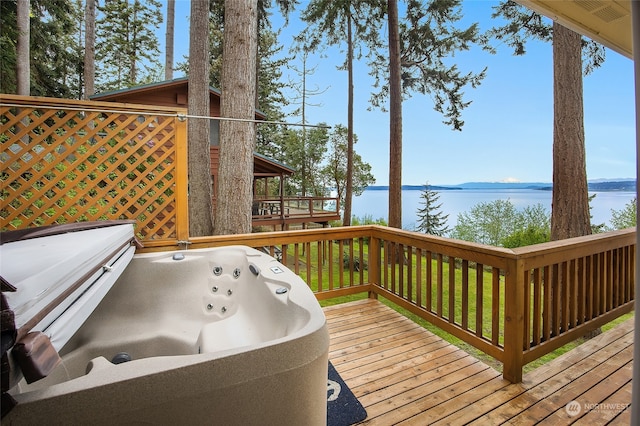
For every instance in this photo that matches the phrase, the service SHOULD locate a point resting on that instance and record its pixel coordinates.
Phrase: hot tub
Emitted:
(209, 336)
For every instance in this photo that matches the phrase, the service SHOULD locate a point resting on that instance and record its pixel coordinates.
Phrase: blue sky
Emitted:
(508, 131)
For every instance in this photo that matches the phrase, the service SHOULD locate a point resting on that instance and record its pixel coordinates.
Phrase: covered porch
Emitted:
(271, 208)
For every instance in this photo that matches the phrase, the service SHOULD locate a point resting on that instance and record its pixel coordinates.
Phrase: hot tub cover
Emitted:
(52, 278)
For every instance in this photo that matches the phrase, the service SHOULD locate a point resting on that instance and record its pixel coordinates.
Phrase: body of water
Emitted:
(375, 203)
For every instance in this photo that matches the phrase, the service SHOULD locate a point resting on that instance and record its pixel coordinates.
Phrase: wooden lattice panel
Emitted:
(67, 165)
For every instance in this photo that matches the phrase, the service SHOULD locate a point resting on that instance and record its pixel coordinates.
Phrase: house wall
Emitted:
(171, 97)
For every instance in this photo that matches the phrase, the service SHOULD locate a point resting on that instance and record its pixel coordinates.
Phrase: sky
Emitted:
(508, 130)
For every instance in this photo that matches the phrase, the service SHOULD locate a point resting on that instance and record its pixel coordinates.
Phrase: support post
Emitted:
(182, 180)
(374, 265)
(513, 322)
(635, 387)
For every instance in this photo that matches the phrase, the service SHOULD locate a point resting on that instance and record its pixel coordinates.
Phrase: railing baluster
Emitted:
(611, 288)
(537, 307)
(615, 278)
(320, 253)
(410, 273)
(581, 282)
(351, 262)
(341, 262)
(547, 320)
(589, 288)
(307, 249)
(429, 280)
(452, 289)
(479, 299)
(572, 297)
(600, 287)
(331, 260)
(527, 310)
(419, 279)
(556, 300)
(465, 294)
(393, 256)
(495, 306)
(400, 263)
(385, 262)
(296, 256)
(629, 279)
(285, 258)
(363, 262)
(439, 295)
(564, 297)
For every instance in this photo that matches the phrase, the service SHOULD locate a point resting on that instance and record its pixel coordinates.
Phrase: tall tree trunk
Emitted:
(200, 191)
(305, 171)
(570, 216)
(348, 195)
(23, 65)
(89, 48)
(395, 119)
(168, 53)
(237, 139)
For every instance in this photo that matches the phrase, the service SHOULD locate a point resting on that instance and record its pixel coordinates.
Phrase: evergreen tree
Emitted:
(169, 40)
(335, 170)
(238, 100)
(23, 71)
(334, 22)
(417, 59)
(89, 49)
(127, 44)
(573, 57)
(304, 135)
(430, 218)
(52, 48)
(270, 97)
(305, 154)
(200, 185)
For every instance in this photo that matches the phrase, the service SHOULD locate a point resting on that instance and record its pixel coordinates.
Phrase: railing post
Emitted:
(374, 264)
(181, 171)
(513, 321)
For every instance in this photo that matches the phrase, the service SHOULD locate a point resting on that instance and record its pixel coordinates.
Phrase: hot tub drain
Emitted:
(121, 357)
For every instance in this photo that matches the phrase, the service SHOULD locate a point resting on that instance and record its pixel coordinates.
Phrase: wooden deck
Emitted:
(404, 374)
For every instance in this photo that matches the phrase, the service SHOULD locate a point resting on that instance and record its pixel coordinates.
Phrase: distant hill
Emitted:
(504, 185)
(629, 185)
(413, 188)
(594, 185)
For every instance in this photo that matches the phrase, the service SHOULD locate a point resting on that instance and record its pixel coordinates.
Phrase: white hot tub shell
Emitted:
(210, 336)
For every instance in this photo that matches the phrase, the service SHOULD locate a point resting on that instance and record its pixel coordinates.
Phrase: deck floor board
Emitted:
(404, 374)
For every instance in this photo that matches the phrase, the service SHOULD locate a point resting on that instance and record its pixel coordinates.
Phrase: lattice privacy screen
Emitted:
(66, 165)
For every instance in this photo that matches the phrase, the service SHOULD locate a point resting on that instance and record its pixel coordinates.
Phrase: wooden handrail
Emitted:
(498, 300)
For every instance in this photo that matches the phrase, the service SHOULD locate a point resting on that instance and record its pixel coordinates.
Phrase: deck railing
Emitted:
(289, 207)
(514, 305)
(71, 160)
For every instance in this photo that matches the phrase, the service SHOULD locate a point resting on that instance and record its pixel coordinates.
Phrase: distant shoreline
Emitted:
(600, 185)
